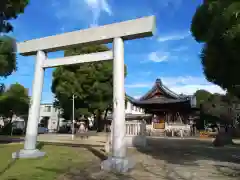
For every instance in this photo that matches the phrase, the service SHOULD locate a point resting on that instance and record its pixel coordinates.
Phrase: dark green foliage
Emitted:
(2, 88)
(10, 9)
(216, 23)
(92, 83)
(14, 101)
(216, 107)
(7, 56)
(202, 96)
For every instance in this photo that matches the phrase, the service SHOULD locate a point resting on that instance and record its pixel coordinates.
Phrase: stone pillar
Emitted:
(30, 150)
(118, 161)
(119, 148)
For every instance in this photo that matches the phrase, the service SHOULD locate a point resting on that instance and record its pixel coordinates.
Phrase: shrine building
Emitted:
(168, 109)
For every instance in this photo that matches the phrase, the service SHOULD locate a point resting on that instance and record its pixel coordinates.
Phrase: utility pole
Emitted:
(73, 117)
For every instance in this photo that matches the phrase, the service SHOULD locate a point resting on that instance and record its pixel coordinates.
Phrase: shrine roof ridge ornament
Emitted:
(128, 30)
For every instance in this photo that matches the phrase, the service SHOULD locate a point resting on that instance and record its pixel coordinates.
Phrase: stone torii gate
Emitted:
(116, 33)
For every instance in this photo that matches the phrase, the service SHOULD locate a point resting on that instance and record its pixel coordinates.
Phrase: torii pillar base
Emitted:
(121, 165)
(28, 154)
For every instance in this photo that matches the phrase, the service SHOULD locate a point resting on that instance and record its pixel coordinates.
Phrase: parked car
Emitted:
(42, 129)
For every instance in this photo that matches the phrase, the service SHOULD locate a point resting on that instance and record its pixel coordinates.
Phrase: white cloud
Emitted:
(97, 7)
(173, 37)
(191, 89)
(166, 53)
(137, 97)
(138, 85)
(74, 11)
(158, 56)
(182, 84)
(189, 85)
(183, 80)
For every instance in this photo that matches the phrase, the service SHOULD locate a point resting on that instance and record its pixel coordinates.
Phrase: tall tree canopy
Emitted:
(216, 23)
(14, 101)
(7, 56)
(9, 9)
(92, 83)
(216, 105)
(202, 96)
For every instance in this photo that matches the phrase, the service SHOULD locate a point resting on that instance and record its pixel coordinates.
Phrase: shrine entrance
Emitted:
(170, 110)
(115, 33)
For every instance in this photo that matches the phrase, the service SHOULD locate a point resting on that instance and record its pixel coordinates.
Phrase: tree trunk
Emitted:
(105, 120)
(223, 138)
(98, 121)
(58, 123)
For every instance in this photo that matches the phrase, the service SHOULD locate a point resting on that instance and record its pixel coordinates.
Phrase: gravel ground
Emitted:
(166, 159)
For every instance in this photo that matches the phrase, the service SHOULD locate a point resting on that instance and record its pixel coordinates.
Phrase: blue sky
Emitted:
(172, 54)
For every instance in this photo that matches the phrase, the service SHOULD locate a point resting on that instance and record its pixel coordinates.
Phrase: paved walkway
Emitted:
(99, 136)
(187, 160)
(237, 141)
(163, 159)
(92, 140)
(170, 160)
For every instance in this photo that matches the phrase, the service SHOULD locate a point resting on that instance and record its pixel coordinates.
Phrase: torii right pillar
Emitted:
(118, 160)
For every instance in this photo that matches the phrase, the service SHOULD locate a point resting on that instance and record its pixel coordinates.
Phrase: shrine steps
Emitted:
(158, 133)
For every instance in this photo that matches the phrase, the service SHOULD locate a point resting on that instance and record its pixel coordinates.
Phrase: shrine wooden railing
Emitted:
(177, 129)
(135, 128)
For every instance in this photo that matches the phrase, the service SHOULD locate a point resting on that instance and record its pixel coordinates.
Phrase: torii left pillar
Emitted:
(30, 150)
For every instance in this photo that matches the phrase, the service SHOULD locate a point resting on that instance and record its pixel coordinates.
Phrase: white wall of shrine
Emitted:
(131, 109)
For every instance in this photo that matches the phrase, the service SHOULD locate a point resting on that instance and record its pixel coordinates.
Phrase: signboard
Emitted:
(159, 124)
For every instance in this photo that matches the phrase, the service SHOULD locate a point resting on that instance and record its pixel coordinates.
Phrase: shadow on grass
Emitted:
(90, 148)
(7, 139)
(194, 153)
(86, 170)
(13, 161)
(9, 165)
(40, 145)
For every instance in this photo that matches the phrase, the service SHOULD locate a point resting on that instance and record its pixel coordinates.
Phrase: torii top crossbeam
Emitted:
(127, 30)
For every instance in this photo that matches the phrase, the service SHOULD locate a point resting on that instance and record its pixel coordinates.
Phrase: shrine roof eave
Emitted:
(129, 98)
(132, 116)
(159, 85)
(159, 101)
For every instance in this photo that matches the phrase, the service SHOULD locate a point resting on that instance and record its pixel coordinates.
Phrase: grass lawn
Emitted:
(13, 136)
(58, 160)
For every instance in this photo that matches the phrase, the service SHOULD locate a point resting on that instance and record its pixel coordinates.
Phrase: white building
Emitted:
(17, 121)
(49, 117)
(131, 111)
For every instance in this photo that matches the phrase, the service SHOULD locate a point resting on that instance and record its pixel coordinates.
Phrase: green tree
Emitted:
(216, 23)
(2, 88)
(9, 9)
(202, 96)
(14, 101)
(92, 83)
(217, 109)
(7, 56)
